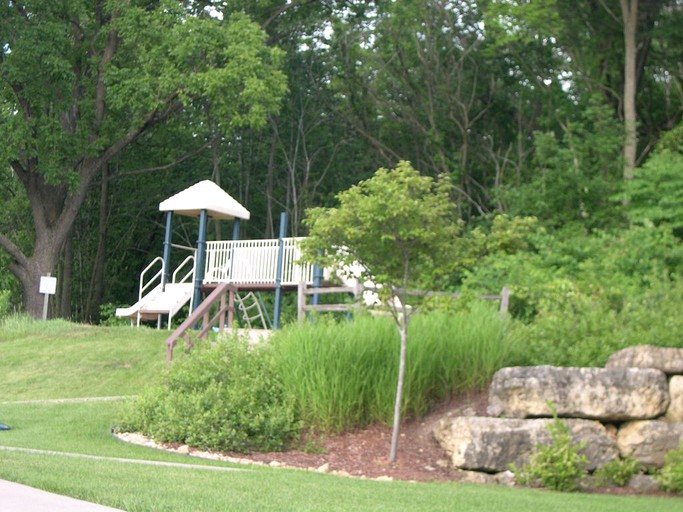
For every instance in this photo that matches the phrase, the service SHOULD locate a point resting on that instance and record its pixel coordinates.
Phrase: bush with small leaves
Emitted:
(617, 472)
(670, 477)
(223, 396)
(558, 466)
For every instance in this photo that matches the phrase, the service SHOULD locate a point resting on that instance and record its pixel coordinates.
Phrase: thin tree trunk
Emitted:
(270, 224)
(96, 288)
(399, 386)
(216, 173)
(629, 10)
(66, 277)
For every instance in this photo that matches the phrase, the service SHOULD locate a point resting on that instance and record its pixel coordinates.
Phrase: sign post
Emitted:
(48, 286)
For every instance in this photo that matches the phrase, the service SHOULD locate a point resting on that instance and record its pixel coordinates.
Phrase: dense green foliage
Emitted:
(671, 475)
(519, 104)
(559, 465)
(224, 396)
(5, 303)
(333, 376)
(656, 192)
(581, 296)
(399, 227)
(617, 472)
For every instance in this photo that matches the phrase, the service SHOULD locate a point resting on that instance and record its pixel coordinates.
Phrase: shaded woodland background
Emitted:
(562, 116)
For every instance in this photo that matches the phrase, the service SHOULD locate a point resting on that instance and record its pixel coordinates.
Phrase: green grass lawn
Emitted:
(57, 359)
(44, 361)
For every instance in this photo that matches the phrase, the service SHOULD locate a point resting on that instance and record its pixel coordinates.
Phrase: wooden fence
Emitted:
(303, 292)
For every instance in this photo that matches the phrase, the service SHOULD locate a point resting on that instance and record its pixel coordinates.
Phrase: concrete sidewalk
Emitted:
(21, 498)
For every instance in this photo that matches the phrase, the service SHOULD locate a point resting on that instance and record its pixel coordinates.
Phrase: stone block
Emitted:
(649, 441)
(614, 394)
(667, 359)
(675, 410)
(492, 444)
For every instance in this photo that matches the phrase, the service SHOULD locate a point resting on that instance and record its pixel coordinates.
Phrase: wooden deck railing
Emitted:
(255, 262)
(203, 311)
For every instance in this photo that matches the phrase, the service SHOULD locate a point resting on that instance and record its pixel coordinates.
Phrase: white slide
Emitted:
(157, 302)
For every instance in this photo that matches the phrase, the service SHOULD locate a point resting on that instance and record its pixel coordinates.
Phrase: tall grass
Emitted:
(343, 374)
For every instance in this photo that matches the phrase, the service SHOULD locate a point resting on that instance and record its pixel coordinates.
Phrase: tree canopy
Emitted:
(80, 82)
(107, 107)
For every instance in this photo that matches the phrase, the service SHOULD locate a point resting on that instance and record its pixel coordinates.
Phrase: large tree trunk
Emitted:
(43, 261)
(629, 10)
(54, 211)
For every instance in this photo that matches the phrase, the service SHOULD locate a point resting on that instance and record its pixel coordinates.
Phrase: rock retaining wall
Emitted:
(631, 408)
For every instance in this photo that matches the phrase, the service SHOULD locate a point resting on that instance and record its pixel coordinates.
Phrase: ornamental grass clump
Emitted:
(342, 374)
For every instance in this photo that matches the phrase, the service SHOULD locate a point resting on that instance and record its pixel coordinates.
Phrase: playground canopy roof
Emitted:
(205, 195)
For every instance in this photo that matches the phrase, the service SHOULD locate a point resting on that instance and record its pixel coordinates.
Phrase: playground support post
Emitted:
(236, 229)
(317, 282)
(199, 264)
(167, 250)
(278, 277)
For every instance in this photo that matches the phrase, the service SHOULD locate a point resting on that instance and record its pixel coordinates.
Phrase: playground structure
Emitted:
(232, 273)
(247, 265)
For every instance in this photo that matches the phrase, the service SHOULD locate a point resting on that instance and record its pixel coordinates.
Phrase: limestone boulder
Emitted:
(649, 441)
(644, 483)
(492, 444)
(667, 359)
(606, 394)
(675, 410)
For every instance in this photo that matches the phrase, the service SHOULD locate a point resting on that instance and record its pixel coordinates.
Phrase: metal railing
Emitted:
(144, 285)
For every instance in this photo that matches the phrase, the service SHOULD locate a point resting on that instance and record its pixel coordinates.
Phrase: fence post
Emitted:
(504, 300)
(300, 301)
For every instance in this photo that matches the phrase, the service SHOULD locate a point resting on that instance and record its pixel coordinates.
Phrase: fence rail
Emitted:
(303, 291)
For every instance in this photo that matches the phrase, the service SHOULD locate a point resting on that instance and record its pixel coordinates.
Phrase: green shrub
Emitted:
(558, 466)
(585, 331)
(617, 472)
(5, 304)
(581, 296)
(670, 476)
(108, 315)
(343, 374)
(223, 396)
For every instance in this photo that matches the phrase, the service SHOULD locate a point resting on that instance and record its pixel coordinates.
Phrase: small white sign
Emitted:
(48, 285)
